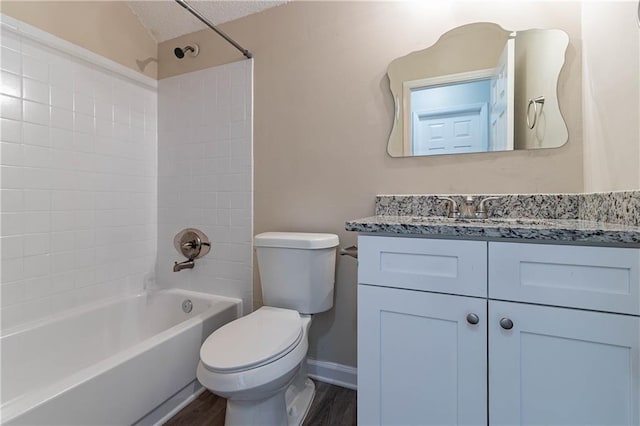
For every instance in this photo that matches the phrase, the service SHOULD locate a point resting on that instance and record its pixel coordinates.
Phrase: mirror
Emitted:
(480, 88)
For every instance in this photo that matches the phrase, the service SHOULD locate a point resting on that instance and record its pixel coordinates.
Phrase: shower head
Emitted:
(180, 51)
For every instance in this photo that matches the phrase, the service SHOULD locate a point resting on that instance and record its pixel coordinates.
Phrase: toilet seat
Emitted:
(257, 339)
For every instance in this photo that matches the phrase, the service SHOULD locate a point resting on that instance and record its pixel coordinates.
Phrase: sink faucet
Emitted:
(187, 264)
(468, 209)
(452, 207)
(482, 212)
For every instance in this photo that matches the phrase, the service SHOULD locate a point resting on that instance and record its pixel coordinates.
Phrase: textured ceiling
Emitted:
(165, 19)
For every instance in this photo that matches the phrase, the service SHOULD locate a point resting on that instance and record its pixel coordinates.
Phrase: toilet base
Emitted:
(269, 411)
(299, 397)
(286, 408)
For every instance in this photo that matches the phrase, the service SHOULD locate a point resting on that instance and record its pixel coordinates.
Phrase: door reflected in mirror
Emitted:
(480, 88)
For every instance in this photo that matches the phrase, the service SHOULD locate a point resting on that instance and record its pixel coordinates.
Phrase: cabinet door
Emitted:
(562, 366)
(420, 362)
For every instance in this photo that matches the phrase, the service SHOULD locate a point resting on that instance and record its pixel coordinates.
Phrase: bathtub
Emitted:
(110, 363)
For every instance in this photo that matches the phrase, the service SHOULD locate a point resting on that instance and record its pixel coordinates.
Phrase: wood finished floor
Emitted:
(332, 406)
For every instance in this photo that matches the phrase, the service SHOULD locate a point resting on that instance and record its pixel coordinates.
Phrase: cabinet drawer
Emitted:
(445, 266)
(599, 278)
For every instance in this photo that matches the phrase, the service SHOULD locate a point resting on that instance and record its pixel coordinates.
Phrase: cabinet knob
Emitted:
(473, 319)
(506, 323)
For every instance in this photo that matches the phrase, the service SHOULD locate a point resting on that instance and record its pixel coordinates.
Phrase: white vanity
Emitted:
(496, 331)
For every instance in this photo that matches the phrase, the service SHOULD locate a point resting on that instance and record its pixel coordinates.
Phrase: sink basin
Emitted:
(488, 221)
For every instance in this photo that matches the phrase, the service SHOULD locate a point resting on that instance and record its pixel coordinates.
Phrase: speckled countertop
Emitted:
(570, 230)
(547, 217)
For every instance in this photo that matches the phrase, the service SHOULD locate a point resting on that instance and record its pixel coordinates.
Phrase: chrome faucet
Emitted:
(452, 207)
(482, 212)
(193, 244)
(187, 264)
(468, 209)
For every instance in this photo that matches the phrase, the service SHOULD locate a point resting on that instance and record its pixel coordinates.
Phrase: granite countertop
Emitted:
(569, 230)
(595, 218)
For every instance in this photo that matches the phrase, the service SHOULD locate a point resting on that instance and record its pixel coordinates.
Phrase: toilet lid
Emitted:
(251, 341)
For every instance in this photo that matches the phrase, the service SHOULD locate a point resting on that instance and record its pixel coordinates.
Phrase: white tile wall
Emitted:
(78, 195)
(205, 177)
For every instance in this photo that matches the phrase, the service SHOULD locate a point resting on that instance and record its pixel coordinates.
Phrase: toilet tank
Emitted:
(297, 270)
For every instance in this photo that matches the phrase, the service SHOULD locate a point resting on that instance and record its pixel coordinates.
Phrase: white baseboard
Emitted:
(333, 373)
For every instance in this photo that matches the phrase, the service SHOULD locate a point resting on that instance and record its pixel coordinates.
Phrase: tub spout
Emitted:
(187, 264)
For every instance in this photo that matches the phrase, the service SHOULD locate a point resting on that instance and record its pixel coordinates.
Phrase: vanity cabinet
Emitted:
(541, 334)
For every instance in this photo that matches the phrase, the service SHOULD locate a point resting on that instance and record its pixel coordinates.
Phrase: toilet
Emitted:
(258, 361)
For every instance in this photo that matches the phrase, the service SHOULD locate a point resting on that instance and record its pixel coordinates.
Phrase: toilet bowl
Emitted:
(253, 361)
(258, 362)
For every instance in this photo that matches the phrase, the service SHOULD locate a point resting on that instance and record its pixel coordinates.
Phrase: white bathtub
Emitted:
(108, 364)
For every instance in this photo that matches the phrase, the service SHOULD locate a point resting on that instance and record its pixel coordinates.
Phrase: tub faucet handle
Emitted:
(195, 244)
(192, 243)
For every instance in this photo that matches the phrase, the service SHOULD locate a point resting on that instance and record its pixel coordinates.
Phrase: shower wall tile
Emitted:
(205, 169)
(78, 175)
(11, 60)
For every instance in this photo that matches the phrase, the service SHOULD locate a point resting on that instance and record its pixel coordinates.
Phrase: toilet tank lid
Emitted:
(296, 240)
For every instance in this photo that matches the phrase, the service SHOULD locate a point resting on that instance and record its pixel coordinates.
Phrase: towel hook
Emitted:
(534, 102)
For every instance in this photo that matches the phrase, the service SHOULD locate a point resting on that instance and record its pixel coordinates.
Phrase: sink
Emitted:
(488, 221)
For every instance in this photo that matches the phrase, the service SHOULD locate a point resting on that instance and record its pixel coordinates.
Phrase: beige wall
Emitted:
(611, 87)
(323, 112)
(539, 62)
(108, 28)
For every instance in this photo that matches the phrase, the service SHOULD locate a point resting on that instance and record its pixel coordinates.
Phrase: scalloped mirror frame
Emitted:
(473, 47)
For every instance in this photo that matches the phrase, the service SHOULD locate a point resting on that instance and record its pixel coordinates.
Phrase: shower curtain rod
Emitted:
(208, 23)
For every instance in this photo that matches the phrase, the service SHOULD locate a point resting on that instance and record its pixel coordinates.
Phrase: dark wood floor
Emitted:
(332, 406)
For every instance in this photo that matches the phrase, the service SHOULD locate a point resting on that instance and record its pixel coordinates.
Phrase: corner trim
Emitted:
(333, 373)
